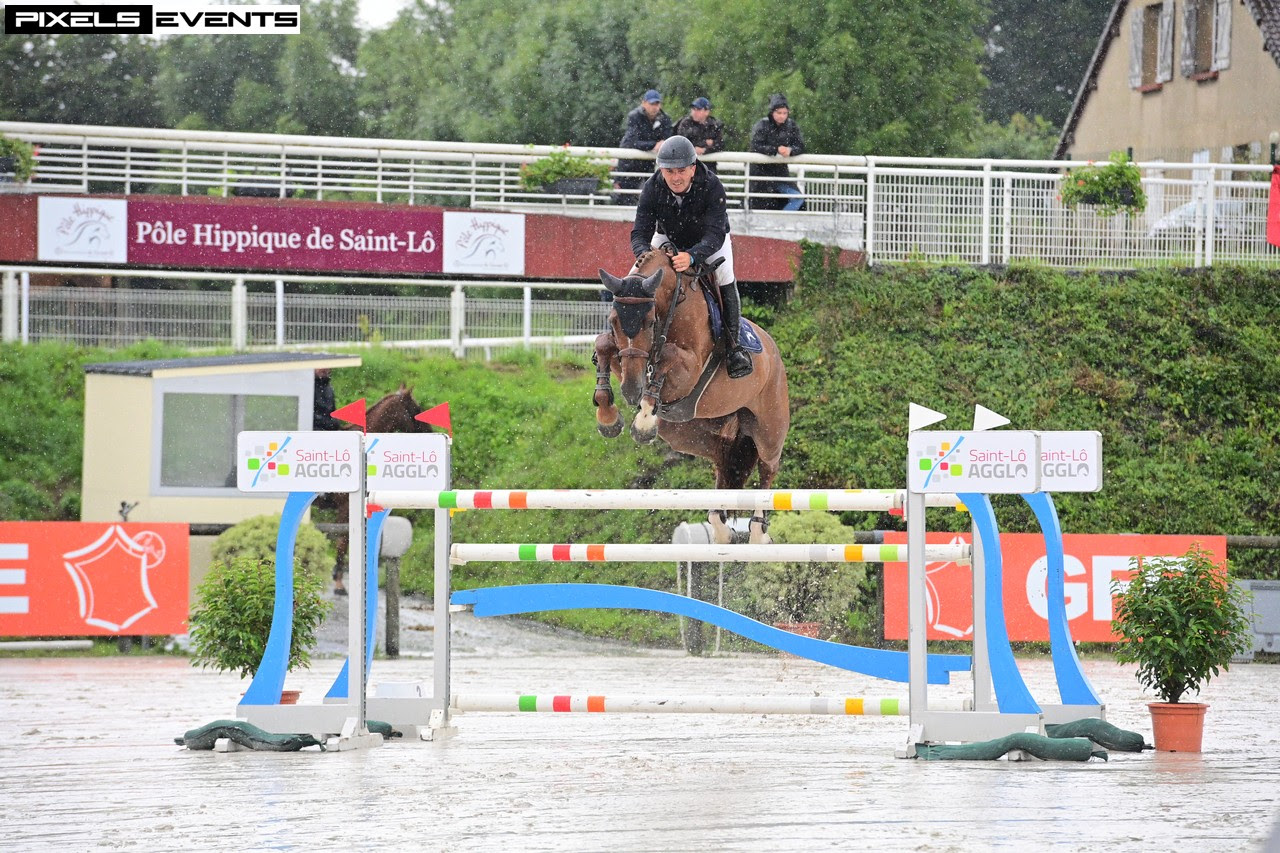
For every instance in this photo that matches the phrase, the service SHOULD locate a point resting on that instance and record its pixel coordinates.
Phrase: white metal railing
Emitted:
(895, 208)
(272, 317)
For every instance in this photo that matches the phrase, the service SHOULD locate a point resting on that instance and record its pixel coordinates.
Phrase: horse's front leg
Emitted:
(608, 418)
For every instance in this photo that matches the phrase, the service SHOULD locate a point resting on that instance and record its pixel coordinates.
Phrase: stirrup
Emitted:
(737, 363)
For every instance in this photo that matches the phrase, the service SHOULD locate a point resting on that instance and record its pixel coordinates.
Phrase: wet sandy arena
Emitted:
(87, 761)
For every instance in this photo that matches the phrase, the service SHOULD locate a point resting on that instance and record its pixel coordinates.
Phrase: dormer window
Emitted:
(1151, 51)
(1206, 38)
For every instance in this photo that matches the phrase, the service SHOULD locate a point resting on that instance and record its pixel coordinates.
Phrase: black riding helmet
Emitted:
(676, 153)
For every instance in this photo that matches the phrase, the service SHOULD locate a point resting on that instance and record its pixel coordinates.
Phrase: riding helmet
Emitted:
(676, 153)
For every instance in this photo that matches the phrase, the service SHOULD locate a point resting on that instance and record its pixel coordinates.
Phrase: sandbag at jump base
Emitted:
(252, 737)
(246, 735)
(1048, 749)
(1100, 732)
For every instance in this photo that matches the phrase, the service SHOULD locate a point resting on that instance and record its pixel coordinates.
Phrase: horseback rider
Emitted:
(684, 204)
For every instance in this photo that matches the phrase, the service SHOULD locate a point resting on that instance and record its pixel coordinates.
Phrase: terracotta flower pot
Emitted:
(1177, 726)
(289, 697)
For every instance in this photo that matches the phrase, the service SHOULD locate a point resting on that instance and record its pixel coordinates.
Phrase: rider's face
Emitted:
(678, 180)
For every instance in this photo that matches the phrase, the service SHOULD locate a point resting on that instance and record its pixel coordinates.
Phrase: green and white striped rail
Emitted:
(469, 552)
(842, 500)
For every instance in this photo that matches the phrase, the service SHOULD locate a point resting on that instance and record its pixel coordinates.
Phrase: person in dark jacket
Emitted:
(323, 404)
(322, 419)
(704, 130)
(647, 126)
(684, 204)
(776, 135)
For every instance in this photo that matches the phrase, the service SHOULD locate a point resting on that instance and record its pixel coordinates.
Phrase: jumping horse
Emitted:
(393, 413)
(670, 365)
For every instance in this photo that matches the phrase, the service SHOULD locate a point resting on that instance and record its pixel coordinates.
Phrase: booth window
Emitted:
(198, 434)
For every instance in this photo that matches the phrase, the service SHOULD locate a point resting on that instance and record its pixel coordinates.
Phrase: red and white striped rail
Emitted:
(700, 553)
(841, 500)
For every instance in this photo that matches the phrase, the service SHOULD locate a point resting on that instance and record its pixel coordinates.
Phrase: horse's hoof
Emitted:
(612, 430)
(761, 539)
(643, 436)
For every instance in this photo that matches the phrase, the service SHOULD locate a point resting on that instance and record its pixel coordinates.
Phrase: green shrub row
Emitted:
(1179, 371)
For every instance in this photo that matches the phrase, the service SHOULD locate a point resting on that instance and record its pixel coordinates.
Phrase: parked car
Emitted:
(1230, 219)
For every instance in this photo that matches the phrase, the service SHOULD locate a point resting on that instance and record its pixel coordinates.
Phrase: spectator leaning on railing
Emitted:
(647, 125)
(778, 136)
(704, 130)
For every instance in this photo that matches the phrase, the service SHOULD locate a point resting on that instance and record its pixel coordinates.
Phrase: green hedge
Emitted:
(1179, 371)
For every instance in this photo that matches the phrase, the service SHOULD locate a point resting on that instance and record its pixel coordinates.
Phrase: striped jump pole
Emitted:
(839, 706)
(753, 500)
(665, 553)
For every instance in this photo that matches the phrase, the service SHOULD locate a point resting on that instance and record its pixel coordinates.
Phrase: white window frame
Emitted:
(299, 384)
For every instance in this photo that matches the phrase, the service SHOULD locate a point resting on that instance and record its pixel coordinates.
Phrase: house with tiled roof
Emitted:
(1181, 81)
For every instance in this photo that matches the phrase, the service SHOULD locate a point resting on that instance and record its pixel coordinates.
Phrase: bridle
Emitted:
(653, 378)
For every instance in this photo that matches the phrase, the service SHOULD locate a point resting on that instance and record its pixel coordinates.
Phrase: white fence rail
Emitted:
(233, 316)
(896, 208)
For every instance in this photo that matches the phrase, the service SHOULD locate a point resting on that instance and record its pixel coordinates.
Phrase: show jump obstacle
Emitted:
(945, 468)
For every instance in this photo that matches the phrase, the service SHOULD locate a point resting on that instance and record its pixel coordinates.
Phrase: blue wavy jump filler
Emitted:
(536, 598)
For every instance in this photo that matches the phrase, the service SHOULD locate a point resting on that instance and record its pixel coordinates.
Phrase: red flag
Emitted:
(437, 416)
(352, 413)
(1273, 208)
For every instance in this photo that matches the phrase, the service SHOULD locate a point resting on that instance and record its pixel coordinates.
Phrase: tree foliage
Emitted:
(1037, 54)
(79, 79)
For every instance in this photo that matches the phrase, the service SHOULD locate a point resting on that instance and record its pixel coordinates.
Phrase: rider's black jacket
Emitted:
(696, 222)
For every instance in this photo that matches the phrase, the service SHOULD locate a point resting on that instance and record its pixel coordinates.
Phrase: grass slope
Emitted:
(1179, 371)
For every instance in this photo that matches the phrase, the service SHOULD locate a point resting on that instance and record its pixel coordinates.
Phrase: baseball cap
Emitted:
(701, 104)
(652, 97)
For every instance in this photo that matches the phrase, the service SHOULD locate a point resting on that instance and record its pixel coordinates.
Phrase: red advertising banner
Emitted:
(319, 237)
(1273, 208)
(1090, 563)
(66, 578)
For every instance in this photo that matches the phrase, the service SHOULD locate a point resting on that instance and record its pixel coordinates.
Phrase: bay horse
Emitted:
(393, 413)
(661, 347)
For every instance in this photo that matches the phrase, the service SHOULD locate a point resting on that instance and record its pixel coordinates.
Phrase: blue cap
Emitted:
(652, 97)
(701, 104)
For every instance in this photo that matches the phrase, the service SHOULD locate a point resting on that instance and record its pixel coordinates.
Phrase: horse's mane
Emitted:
(663, 258)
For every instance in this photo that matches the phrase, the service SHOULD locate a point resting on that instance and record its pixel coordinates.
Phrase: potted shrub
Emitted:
(1110, 187)
(17, 160)
(1181, 620)
(813, 599)
(234, 603)
(565, 173)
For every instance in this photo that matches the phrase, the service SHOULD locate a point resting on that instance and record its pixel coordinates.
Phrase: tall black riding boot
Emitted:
(737, 361)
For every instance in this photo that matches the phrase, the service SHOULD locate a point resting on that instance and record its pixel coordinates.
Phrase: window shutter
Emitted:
(1222, 35)
(1164, 57)
(1187, 58)
(1135, 48)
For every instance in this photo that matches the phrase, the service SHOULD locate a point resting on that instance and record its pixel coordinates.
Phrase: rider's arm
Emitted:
(646, 219)
(715, 225)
